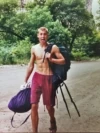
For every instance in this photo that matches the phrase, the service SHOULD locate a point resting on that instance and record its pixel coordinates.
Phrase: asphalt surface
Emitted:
(84, 85)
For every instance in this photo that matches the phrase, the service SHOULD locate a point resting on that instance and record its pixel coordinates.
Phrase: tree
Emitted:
(74, 17)
(8, 19)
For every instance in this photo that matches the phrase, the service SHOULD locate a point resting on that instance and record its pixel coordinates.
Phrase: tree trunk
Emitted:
(72, 41)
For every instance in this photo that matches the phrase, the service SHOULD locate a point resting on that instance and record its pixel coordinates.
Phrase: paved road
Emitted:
(84, 85)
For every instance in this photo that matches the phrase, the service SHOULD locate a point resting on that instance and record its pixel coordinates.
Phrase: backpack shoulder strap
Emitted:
(48, 49)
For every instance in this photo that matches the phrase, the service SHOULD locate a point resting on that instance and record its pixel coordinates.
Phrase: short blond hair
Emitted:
(42, 29)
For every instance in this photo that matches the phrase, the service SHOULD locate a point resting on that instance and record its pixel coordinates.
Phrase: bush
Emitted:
(16, 54)
(78, 55)
(6, 57)
(22, 50)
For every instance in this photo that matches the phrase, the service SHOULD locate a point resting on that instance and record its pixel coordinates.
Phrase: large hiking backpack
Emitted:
(60, 73)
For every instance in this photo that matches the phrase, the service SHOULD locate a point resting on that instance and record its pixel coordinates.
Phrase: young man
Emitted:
(42, 78)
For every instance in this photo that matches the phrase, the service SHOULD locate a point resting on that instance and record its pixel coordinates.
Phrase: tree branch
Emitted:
(10, 31)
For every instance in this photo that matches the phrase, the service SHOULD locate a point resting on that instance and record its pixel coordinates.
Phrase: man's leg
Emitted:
(51, 112)
(34, 117)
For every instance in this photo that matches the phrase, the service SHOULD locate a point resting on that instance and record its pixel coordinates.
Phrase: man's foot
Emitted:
(53, 127)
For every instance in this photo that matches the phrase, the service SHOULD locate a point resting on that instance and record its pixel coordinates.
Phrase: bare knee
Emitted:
(34, 108)
(50, 108)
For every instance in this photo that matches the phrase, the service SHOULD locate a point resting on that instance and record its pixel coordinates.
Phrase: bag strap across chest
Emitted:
(48, 49)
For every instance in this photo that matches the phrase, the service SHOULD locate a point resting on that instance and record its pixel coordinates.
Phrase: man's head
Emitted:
(42, 35)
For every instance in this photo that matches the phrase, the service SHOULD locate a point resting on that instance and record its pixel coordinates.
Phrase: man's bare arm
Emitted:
(30, 66)
(60, 59)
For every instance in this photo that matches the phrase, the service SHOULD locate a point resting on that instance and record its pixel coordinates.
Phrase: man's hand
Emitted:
(25, 85)
(48, 55)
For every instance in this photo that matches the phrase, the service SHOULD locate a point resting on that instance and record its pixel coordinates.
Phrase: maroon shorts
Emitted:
(42, 84)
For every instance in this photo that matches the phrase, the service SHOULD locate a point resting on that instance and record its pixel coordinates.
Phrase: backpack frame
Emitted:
(60, 74)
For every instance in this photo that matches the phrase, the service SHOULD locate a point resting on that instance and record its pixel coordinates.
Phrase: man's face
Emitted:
(42, 36)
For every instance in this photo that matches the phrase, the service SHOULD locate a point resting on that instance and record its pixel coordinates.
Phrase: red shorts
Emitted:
(42, 84)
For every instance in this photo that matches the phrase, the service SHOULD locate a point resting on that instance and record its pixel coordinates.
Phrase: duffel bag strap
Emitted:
(12, 120)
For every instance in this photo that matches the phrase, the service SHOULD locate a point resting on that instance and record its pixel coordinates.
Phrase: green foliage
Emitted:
(9, 20)
(69, 23)
(22, 50)
(40, 2)
(7, 6)
(33, 20)
(16, 54)
(74, 16)
(78, 55)
(88, 44)
(57, 33)
(94, 44)
(5, 56)
(32, 4)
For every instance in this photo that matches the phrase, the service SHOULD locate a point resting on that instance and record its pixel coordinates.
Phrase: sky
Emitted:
(95, 7)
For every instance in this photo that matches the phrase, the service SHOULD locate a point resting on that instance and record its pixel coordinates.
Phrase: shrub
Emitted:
(16, 54)
(78, 55)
